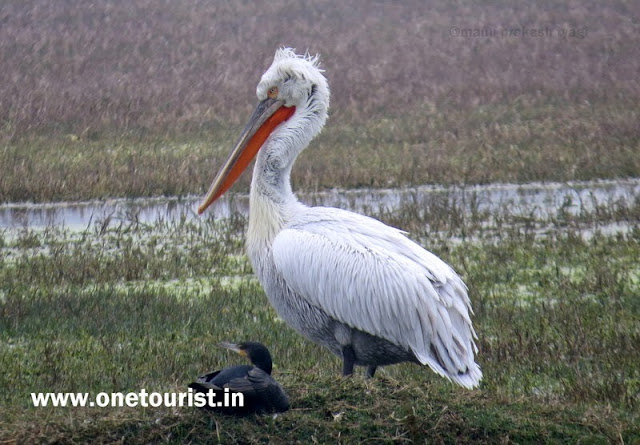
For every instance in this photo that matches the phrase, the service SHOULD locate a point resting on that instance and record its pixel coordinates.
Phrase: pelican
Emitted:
(345, 281)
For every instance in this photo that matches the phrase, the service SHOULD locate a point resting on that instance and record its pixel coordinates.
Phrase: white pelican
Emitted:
(345, 281)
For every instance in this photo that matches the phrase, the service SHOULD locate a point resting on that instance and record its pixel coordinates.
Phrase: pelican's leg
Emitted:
(348, 360)
(371, 370)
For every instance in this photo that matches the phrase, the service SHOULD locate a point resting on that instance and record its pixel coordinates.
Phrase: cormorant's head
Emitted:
(255, 351)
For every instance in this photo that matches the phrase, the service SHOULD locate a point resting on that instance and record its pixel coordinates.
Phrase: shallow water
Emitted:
(537, 200)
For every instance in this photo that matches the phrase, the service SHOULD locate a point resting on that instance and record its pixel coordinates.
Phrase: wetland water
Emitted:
(534, 200)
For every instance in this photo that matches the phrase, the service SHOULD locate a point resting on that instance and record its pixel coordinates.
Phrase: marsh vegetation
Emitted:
(119, 99)
(116, 99)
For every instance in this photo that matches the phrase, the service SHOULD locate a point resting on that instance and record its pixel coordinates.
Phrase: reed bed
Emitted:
(115, 98)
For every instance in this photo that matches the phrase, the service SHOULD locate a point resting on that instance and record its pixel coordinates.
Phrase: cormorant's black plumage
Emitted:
(261, 392)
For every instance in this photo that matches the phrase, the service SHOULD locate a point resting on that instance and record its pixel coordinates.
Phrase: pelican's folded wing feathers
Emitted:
(373, 278)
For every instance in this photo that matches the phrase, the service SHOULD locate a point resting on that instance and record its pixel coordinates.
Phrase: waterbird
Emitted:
(261, 393)
(346, 281)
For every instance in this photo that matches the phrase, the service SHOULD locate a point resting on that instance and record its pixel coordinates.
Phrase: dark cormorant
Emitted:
(261, 393)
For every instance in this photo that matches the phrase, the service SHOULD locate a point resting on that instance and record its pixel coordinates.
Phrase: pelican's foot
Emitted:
(371, 370)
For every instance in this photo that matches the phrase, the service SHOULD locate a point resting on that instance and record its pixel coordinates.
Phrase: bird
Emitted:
(345, 281)
(261, 393)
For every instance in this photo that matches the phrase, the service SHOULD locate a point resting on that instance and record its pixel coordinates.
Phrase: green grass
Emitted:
(131, 306)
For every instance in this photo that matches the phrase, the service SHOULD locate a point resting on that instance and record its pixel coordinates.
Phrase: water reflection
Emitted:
(531, 200)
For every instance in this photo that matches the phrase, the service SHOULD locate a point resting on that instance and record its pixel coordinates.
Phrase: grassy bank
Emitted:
(145, 305)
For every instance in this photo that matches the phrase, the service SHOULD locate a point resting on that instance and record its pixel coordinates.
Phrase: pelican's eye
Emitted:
(273, 93)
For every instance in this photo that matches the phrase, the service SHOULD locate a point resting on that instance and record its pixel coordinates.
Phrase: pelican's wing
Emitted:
(373, 278)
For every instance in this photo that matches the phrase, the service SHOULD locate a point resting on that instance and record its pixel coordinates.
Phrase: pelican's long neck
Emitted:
(272, 203)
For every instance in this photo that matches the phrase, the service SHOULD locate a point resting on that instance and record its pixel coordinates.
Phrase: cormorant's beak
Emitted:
(233, 347)
(267, 116)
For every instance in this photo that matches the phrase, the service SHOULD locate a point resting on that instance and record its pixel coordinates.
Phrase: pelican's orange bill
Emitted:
(267, 116)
